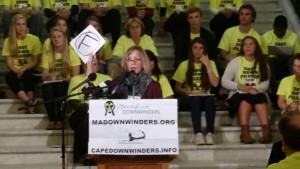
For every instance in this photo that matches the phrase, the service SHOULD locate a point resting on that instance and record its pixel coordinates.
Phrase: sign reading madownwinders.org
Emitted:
(133, 127)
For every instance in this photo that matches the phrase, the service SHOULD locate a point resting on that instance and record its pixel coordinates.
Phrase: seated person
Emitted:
(30, 9)
(158, 76)
(134, 35)
(61, 60)
(193, 30)
(247, 79)
(173, 15)
(63, 8)
(108, 12)
(144, 10)
(195, 76)
(79, 103)
(280, 64)
(289, 128)
(288, 100)
(225, 16)
(22, 52)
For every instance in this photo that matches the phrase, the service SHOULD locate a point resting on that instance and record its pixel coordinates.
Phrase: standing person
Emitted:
(194, 77)
(29, 8)
(225, 16)
(288, 100)
(137, 78)
(247, 79)
(230, 42)
(21, 51)
(193, 30)
(289, 128)
(108, 12)
(173, 15)
(158, 76)
(144, 10)
(66, 9)
(59, 63)
(79, 103)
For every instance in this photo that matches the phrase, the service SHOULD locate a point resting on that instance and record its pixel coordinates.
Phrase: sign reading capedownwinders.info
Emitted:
(133, 127)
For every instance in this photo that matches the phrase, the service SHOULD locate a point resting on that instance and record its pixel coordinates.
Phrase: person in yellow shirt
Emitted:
(225, 16)
(108, 12)
(66, 9)
(173, 15)
(280, 65)
(21, 51)
(31, 9)
(289, 128)
(157, 75)
(144, 10)
(193, 79)
(288, 100)
(247, 78)
(58, 64)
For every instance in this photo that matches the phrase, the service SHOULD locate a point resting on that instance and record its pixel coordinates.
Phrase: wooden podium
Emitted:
(133, 161)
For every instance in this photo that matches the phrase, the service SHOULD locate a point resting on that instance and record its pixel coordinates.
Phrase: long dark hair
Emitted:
(191, 68)
(259, 57)
(156, 70)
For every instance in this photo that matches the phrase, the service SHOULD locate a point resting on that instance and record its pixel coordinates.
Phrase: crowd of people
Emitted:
(232, 54)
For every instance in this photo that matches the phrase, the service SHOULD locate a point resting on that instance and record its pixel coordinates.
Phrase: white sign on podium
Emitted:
(133, 127)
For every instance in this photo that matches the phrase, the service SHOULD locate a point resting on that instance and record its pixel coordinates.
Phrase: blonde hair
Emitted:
(12, 36)
(52, 50)
(145, 60)
(130, 21)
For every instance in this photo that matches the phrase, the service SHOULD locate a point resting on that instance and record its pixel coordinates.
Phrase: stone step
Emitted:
(52, 138)
(11, 106)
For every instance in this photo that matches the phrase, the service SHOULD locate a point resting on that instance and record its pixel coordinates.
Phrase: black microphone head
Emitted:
(92, 76)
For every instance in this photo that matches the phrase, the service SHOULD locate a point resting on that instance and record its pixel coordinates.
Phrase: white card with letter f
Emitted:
(88, 41)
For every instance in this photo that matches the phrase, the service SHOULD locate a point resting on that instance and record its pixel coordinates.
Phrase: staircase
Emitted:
(24, 142)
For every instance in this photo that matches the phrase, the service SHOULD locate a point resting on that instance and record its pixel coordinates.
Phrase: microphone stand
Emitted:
(63, 110)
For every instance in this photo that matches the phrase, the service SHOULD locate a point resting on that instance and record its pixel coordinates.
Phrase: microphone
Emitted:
(133, 79)
(91, 77)
(96, 92)
(119, 82)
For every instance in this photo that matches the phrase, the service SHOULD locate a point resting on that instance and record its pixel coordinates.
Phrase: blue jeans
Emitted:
(197, 104)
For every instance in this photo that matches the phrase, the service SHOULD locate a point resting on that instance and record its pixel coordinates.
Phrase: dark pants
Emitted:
(276, 153)
(149, 25)
(219, 23)
(197, 104)
(110, 23)
(26, 83)
(79, 122)
(175, 23)
(70, 22)
(52, 91)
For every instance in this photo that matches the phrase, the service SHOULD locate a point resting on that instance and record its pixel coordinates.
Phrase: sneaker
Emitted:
(199, 139)
(30, 110)
(209, 139)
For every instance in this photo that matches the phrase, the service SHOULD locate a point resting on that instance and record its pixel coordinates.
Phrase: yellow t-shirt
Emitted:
(290, 162)
(290, 39)
(101, 3)
(55, 5)
(194, 35)
(232, 38)
(125, 42)
(78, 79)
(59, 67)
(164, 85)
(246, 74)
(290, 88)
(180, 75)
(106, 49)
(178, 5)
(140, 4)
(14, 4)
(221, 4)
(28, 47)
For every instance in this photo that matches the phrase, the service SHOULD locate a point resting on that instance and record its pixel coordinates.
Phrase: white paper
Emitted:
(88, 41)
(205, 94)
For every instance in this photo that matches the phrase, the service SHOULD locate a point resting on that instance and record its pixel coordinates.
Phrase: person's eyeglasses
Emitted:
(134, 60)
(296, 66)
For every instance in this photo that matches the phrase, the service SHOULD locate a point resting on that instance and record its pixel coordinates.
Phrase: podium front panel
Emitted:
(133, 127)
